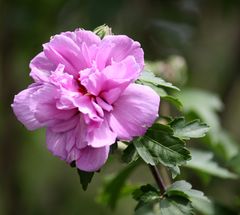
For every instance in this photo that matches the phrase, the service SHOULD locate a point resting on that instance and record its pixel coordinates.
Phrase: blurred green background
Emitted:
(205, 33)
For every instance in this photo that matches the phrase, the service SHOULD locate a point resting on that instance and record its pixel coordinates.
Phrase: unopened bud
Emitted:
(102, 31)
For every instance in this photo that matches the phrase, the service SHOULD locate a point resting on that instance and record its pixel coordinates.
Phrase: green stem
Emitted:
(158, 178)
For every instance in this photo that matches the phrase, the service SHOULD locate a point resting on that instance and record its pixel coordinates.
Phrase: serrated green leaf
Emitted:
(187, 130)
(113, 188)
(85, 178)
(149, 77)
(184, 189)
(146, 194)
(175, 206)
(199, 202)
(203, 161)
(130, 154)
(142, 192)
(170, 152)
(160, 146)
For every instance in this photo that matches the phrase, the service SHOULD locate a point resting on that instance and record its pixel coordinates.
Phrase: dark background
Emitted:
(206, 33)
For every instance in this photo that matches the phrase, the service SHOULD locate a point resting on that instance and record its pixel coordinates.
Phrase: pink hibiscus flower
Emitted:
(84, 94)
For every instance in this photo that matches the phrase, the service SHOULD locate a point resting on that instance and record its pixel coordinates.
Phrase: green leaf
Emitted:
(146, 194)
(175, 170)
(130, 154)
(113, 189)
(170, 153)
(175, 206)
(193, 129)
(184, 189)
(203, 103)
(85, 178)
(148, 209)
(160, 146)
(149, 77)
(173, 100)
(226, 145)
(234, 163)
(203, 162)
(165, 96)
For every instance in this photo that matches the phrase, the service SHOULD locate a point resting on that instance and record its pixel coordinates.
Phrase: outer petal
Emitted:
(56, 143)
(41, 68)
(134, 111)
(116, 48)
(24, 109)
(45, 110)
(67, 144)
(36, 107)
(92, 159)
(87, 37)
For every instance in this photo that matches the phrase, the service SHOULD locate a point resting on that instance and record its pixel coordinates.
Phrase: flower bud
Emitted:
(102, 31)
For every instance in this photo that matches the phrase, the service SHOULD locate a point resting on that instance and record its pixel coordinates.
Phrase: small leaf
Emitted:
(203, 162)
(146, 194)
(175, 170)
(149, 77)
(193, 129)
(175, 206)
(130, 154)
(85, 178)
(112, 189)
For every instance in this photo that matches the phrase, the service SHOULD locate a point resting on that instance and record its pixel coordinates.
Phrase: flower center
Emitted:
(82, 89)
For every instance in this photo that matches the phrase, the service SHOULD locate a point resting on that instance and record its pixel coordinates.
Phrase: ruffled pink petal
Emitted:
(45, 108)
(112, 80)
(75, 50)
(92, 159)
(92, 80)
(63, 50)
(117, 77)
(101, 136)
(41, 68)
(134, 111)
(24, 107)
(117, 48)
(85, 106)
